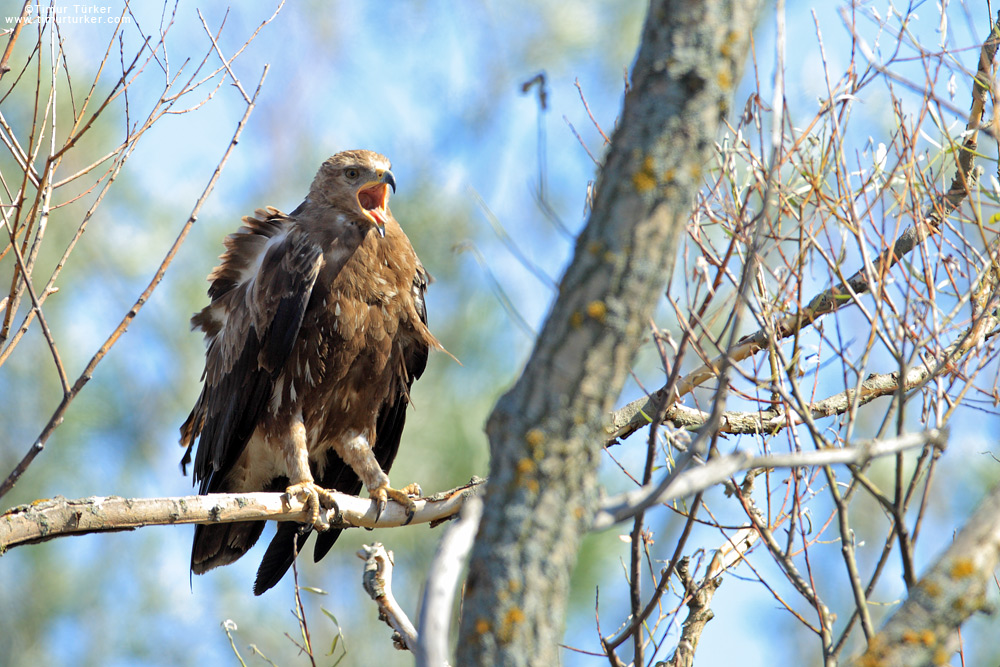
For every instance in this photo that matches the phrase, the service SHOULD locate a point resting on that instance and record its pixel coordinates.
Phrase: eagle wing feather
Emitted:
(259, 297)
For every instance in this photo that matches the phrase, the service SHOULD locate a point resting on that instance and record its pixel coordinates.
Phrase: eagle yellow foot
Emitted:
(314, 497)
(403, 496)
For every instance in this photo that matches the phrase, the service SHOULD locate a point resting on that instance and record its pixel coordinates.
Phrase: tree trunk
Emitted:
(546, 432)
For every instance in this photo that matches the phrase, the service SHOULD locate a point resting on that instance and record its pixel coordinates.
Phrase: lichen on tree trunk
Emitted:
(546, 432)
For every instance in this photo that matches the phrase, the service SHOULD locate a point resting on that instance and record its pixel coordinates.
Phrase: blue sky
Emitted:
(437, 88)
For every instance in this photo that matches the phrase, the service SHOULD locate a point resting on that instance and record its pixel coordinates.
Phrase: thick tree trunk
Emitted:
(546, 432)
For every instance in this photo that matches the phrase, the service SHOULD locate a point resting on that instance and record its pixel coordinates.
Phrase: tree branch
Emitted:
(717, 470)
(436, 609)
(874, 386)
(699, 596)
(47, 519)
(378, 585)
(924, 630)
(637, 414)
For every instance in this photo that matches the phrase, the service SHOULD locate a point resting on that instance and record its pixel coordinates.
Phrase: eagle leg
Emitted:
(315, 497)
(403, 496)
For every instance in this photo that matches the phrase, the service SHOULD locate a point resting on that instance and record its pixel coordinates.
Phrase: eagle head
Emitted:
(358, 182)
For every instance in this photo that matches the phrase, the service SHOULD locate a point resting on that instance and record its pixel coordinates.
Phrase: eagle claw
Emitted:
(314, 497)
(404, 497)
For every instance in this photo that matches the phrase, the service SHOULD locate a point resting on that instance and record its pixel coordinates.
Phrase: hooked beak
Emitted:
(374, 200)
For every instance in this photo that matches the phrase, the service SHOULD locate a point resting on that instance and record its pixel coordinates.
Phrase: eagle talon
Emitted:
(403, 496)
(338, 515)
(314, 497)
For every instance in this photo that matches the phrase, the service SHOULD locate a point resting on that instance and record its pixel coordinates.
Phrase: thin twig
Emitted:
(88, 371)
(18, 25)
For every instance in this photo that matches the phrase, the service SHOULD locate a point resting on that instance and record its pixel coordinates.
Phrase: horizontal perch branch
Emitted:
(47, 519)
(683, 483)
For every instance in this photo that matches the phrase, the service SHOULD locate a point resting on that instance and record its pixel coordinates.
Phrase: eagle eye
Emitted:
(351, 173)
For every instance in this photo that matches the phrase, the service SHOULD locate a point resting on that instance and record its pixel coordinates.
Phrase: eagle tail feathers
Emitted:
(221, 544)
(285, 545)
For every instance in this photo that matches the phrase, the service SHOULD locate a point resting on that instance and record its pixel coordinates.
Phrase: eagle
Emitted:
(316, 330)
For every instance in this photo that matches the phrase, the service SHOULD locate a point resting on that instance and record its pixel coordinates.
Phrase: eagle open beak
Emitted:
(374, 200)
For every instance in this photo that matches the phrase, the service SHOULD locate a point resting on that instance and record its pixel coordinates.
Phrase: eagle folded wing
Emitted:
(259, 296)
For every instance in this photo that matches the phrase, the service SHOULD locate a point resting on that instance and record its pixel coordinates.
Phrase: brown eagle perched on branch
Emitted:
(316, 330)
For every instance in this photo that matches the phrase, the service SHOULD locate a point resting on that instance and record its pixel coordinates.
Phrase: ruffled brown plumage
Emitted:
(315, 332)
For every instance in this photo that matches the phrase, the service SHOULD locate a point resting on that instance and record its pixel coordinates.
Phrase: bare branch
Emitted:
(872, 387)
(88, 371)
(47, 519)
(4, 67)
(717, 470)
(442, 582)
(635, 415)
(699, 596)
(378, 585)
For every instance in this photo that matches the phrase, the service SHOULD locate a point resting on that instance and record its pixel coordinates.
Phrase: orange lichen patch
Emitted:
(732, 39)
(514, 585)
(578, 513)
(597, 310)
(873, 656)
(535, 437)
(525, 467)
(928, 638)
(644, 180)
(942, 656)
(963, 567)
(725, 79)
(931, 588)
(511, 619)
(595, 248)
(482, 626)
(515, 615)
(910, 637)
(576, 319)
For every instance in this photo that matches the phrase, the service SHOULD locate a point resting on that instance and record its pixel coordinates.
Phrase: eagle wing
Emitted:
(291, 537)
(259, 297)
